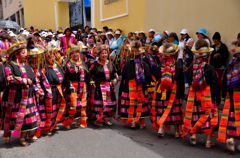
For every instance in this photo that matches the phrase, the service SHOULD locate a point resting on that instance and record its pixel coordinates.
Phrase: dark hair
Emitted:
(216, 36)
(30, 43)
(200, 43)
(67, 29)
(87, 27)
(105, 28)
(238, 36)
(174, 35)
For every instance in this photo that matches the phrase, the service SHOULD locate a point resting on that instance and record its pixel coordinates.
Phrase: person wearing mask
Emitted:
(229, 127)
(201, 114)
(134, 107)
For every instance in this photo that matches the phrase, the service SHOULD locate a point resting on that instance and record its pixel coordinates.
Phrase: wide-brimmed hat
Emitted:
(73, 48)
(201, 47)
(109, 33)
(17, 46)
(168, 49)
(36, 51)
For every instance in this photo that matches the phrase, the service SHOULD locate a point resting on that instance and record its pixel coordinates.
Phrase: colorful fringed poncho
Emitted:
(230, 122)
(201, 111)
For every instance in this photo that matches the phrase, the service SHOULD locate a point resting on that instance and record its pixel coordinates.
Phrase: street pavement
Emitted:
(112, 142)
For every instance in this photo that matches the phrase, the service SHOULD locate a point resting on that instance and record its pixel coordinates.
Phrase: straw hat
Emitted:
(201, 47)
(17, 46)
(168, 49)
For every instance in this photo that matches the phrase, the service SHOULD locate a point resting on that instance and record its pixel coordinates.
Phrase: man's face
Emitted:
(216, 42)
(151, 34)
(117, 35)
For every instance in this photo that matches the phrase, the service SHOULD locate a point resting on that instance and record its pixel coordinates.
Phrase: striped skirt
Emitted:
(134, 109)
(103, 102)
(31, 117)
(198, 112)
(175, 117)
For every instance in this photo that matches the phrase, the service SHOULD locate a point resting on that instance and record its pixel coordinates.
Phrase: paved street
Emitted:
(115, 142)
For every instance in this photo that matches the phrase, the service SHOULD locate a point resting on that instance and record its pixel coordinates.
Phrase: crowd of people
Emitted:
(51, 79)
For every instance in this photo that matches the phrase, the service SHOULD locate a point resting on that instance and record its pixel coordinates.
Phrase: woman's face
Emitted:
(68, 33)
(50, 60)
(22, 55)
(200, 36)
(110, 36)
(103, 55)
(170, 39)
(183, 36)
(75, 55)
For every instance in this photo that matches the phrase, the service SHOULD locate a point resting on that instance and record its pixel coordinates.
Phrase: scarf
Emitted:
(233, 73)
(168, 72)
(199, 82)
(139, 71)
(152, 62)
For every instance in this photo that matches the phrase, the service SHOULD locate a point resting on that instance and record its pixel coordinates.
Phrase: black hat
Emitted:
(216, 36)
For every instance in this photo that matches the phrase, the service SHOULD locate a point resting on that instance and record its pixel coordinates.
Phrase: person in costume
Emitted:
(77, 77)
(229, 127)
(35, 54)
(55, 103)
(18, 98)
(153, 63)
(166, 107)
(104, 76)
(133, 107)
(201, 114)
(2, 87)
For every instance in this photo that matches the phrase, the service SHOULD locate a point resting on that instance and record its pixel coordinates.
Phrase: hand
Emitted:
(76, 69)
(114, 82)
(92, 84)
(185, 69)
(41, 97)
(18, 78)
(29, 82)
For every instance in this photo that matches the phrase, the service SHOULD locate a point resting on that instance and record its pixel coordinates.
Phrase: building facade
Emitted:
(171, 15)
(13, 10)
(46, 14)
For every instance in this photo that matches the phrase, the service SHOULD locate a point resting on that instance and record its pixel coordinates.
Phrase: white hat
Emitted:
(50, 34)
(151, 30)
(25, 32)
(167, 32)
(43, 34)
(11, 34)
(109, 33)
(117, 32)
(60, 35)
(136, 32)
(184, 31)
